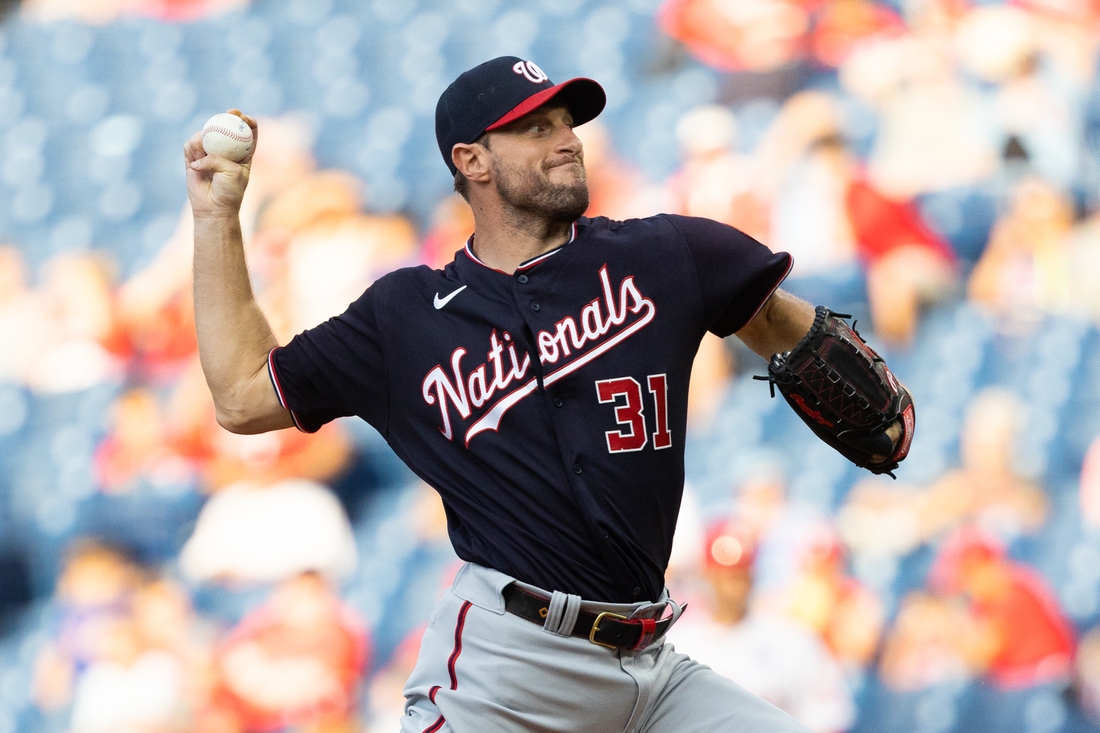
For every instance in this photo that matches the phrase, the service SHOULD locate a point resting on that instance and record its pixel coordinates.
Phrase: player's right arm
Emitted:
(233, 334)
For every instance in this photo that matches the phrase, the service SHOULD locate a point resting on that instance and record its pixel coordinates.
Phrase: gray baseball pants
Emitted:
(483, 670)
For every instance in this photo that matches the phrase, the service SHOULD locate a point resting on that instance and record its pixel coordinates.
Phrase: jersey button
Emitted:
(637, 592)
(535, 306)
(577, 468)
(522, 279)
(558, 402)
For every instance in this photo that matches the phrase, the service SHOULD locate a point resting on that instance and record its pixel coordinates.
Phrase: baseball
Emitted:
(227, 136)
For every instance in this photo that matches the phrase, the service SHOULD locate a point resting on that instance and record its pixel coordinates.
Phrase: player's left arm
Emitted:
(779, 325)
(836, 383)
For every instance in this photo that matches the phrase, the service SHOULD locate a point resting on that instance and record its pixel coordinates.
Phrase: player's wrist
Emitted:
(217, 216)
(216, 208)
(229, 213)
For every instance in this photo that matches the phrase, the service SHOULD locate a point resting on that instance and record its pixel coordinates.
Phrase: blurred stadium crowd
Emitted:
(933, 165)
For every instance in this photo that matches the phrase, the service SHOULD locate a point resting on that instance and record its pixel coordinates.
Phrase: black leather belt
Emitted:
(605, 629)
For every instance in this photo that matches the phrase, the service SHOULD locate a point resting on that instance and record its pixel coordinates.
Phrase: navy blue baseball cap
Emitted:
(503, 90)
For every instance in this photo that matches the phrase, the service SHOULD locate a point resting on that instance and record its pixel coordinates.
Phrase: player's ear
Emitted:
(472, 161)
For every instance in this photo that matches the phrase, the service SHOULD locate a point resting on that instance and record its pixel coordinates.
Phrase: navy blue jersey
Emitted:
(548, 407)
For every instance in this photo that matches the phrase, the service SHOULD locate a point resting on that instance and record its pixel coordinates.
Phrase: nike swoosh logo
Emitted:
(440, 302)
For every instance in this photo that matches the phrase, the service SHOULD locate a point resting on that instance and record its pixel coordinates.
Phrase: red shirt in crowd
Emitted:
(1037, 642)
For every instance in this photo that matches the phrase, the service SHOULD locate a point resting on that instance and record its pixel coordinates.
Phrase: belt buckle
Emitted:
(596, 627)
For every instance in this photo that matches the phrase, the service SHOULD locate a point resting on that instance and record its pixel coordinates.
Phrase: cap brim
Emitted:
(585, 99)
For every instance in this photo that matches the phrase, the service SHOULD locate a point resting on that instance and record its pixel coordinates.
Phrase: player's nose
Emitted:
(568, 142)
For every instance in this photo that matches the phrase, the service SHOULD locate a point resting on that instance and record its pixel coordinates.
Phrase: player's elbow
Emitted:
(240, 420)
(249, 405)
(235, 421)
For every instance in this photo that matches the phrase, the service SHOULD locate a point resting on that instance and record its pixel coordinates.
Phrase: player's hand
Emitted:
(216, 185)
(894, 434)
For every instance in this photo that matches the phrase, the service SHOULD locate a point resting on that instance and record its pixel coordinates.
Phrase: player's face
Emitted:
(538, 165)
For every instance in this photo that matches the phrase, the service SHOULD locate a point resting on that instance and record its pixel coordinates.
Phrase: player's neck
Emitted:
(504, 242)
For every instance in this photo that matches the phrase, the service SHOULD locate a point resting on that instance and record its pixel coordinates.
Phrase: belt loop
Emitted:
(649, 625)
(562, 613)
(677, 611)
(648, 634)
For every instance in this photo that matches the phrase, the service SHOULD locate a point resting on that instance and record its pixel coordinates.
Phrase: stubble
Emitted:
(532, 193)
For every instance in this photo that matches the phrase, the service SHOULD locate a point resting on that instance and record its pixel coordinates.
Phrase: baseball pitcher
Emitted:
(539, 382)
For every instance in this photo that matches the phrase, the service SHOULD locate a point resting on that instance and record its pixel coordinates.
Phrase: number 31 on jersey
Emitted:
(626, 394)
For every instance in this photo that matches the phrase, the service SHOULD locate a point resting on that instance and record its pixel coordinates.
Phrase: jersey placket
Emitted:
(535, 285)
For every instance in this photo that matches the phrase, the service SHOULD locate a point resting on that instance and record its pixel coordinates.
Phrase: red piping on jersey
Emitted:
(790, 266)
(279, 388)
(450, 665)
(523, 265)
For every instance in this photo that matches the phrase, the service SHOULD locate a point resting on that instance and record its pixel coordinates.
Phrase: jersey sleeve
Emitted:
(334, 370)
(736, 274)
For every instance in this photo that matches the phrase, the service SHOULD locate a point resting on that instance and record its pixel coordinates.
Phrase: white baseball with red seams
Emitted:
(227, 136)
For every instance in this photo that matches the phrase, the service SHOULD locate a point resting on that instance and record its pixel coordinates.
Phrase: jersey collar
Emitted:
(527, 264)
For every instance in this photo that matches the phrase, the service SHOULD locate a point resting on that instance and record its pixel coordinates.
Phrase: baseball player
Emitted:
(539, 382)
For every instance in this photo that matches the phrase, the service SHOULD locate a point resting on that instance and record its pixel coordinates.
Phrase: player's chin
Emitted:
(567, 203)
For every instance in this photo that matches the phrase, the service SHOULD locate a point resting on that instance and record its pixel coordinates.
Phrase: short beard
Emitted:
(528, 192)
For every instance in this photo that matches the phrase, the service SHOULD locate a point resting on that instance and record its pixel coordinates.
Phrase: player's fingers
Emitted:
(192, 149)
(192, 152)
(214, 164)
(894, 434)
(251, 121)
